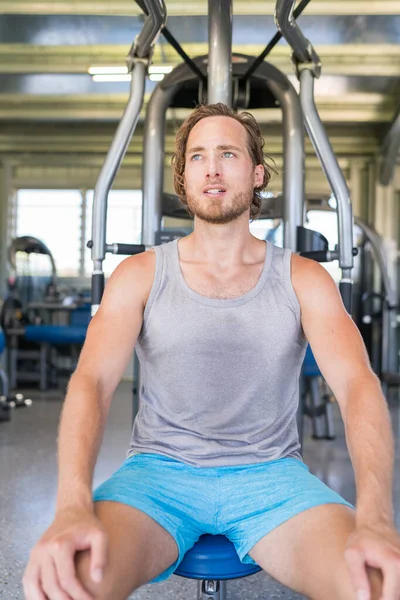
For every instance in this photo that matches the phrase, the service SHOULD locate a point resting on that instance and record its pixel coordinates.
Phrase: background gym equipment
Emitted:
(45, 326)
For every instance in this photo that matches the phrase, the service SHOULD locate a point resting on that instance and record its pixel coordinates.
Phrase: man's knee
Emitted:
(346, 589)
(108, 588)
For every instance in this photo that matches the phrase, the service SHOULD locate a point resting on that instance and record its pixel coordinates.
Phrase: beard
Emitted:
(215, 212)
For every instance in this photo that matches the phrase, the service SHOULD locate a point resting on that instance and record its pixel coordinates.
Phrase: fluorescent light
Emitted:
(108, 70)
(103, 78)
(156, 77)
(156, 73)
(160, 69)
(124, 70)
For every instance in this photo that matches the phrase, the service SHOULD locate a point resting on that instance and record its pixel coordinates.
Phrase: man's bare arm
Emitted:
(109, 344)
(341, 355)
(110, 340)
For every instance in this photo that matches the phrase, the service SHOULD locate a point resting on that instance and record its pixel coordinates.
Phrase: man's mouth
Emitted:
(214, 191)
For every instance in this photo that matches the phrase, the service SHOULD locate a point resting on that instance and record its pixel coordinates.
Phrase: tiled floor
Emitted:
(28, 487)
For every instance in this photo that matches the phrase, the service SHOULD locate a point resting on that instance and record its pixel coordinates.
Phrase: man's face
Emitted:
(219, 174)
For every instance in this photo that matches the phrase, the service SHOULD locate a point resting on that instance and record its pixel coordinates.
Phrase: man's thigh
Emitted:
(139, 549)
(306, 553)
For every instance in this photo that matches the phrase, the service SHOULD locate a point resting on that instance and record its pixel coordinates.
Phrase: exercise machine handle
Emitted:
(127, 249)
(346, 291)
(286, 23)
(308, 68)
(138, 61)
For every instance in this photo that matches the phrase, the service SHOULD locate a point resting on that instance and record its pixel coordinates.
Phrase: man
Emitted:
(221, 320)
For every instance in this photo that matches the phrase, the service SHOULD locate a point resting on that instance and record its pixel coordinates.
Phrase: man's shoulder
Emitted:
(135, 273)
(310, 278)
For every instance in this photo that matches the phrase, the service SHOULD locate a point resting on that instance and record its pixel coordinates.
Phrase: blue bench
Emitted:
(57, 335)
(212, 561)
(54, 336)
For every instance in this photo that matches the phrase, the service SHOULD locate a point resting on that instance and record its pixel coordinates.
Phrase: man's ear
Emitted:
(258, 175)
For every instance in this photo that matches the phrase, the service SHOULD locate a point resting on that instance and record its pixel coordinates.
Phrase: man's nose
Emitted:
(213, 168)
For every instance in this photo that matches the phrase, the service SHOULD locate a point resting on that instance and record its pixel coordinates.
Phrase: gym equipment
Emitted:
(41, 324)
(212, 561)
(379, 327)
(235, 82)
(7, 400)
(138, 61)
(24, 284)
(308, 67)
(5, 413)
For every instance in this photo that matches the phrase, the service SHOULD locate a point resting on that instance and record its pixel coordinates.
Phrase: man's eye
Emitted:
(228, 154)
(196, 157)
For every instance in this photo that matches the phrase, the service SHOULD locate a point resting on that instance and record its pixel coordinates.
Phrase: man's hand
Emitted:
(376, 546)
(51, 573)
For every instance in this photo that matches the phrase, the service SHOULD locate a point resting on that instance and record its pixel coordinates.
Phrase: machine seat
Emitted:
(214, 557)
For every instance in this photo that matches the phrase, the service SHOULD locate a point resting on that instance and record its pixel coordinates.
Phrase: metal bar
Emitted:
(286, 23)
(153, 162)
(112, 163)
(82, 251)
(137, 61)
(332, 171)
(211, 590)
(293, 154)
(378, 250)
(193, 8)
(156, 18)
(257, 62)
(220, 52)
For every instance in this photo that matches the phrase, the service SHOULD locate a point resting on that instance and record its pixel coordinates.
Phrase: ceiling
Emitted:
(48, 101)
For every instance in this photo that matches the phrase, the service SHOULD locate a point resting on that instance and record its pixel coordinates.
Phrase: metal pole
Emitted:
(220, 51)
(153, 162)
(293, 160)
(113, 160)
(381, 257)
(106, 178)
(336, 180)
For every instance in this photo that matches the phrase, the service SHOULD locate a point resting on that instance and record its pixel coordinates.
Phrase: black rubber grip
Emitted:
(130, 249)
(97, 288)
(346, 291)
(317, 255)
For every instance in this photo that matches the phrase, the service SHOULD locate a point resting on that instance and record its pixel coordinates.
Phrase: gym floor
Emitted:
(28, 479)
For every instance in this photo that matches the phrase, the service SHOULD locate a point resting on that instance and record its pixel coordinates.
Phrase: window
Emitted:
(124, 225)
(62, 219)
(325, 222)
(54, 217)
(268, 229)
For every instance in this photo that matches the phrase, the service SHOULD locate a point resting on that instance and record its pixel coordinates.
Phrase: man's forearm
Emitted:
(81, 430)
(371, 446)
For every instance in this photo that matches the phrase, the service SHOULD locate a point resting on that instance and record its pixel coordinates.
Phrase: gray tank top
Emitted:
(220, 378)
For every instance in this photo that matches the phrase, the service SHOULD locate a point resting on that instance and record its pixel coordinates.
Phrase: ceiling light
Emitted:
(108, 70)
(103, 78)
(156, 77)
(160, 69)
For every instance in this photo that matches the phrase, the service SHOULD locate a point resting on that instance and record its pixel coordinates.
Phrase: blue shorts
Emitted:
(244, 503)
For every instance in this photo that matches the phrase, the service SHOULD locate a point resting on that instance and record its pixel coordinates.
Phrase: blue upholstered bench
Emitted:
(212, 561)
(56, 334)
